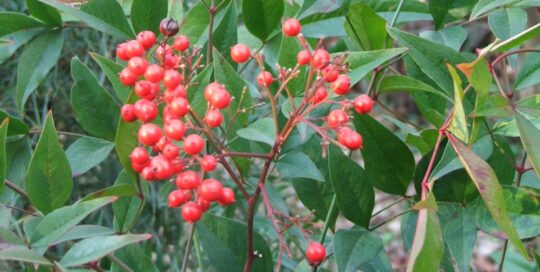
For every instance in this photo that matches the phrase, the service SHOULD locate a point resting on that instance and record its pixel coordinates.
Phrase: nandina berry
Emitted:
(179, 106)
(128, 113)
(148, 174)
(170, 151)
(121, 51)
(191, 212)
(181, 43)
(320, 58)
(139, 155)
(163, 51)
(211, 189)
(180, 91)
(154, 73)
(145, 110)
(154, 91)
(208, 163)
(137, 65)
(193, 144)
(168, 27)
(211, 89)
(188, 180)
(162, 167)
(337, 118)
(168, 116)
(149, 134)
(220, 99)
(291, 27)
(330, 74)
(342, 134)
(160, 145)
(363, 104)
(320, 95)
(143, 88)
(137, 167)
(127, 77)
(354, 141)
(171, 79)
(171, 61)
(178, 197)
(178, 165)
(303, 57)
(315, 253)
(227, 197)
(342, 85)
(264, 79)
(240, 53)
(203, 204)
(134, 49)
(175, 130)
(213, 118)
(146, 38)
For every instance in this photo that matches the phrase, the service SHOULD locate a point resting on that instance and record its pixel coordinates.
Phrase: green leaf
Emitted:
(488, 185)
(518, 39)
(176, 10)
(111, 70)
(58, 222)
(44, 13)
(84, 231)
(97, 247)
(458, 125)
(363, 62)
(224, 242)
(11, 22)
(23, 254)
(506, 23)
(439, 10)
(453, 37)
(48, 179)
(287, 58)
(485, 6)
(428, 245)
(316, 196)
(381, 145)
(115, 190)
(530, 138)
(365, 27)
(126, 139)
(87, 152)
(261, 17)
(103, 15)
(134, 257)
(399, 83)
(15, 40)
(225, 34)
(262, 130)
(197, 20)
(125, 209)
(147, 14)
(87, 96)
(3, 155)
(529, 72)
(37, 59)
(298, 165)
(355, 247)
(430, 60)
(16, 125)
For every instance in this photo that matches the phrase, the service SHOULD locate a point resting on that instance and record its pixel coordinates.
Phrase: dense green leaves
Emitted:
(111, 70)
(3, 156)
(298, 165)
(15, 40)
(23, 254)
(506, 23)
(11, 22)
(453, 37)
(87, 152)
(355, 247)
(529, 72)
(365, 27)
(262, 16)
(530, 137)
(44, 13)
(439, 10)
(484, 6)
(363, 62)
(48, 180)
(146, 14)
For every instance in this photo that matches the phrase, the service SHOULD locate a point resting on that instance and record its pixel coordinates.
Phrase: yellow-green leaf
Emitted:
(458, 126)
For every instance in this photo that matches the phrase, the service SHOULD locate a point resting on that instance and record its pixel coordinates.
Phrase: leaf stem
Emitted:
(189, 244)
(119, 262)
(212, 10)
(16, 188)
(396, 14)
(389, 219)
(328, 217)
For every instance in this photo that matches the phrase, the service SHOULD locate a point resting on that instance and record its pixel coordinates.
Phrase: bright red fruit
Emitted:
(154, 73)
(134, 49)
(121, 51)
(291, 27)
(320, 58)
(127, 77)
(208, 163)
(139, 155)
(342, 85)
(171, 61)
(240, 53)
(128, 113)
(191, 212)
(179, 106)
(303, 57)
(227, 197)
(203, 204)
(213, 118)
(211, 89)
(170, 151)
(146, 38)
(143, 88)
(181, 43)
(210, 189)
(162, 167)
(137, 65)
(354, 141)
(363, 104)
(188, 180)
(337, 118)
(137, 167)
(330, 74)
(320, 95)
(145, 110)
(175, 130)
(148, 174)
(149, 134)
(163, 51)
(171, 79)
(315, 253)
(220, 99)
(265, 79)
(178, 197)
(193, 144)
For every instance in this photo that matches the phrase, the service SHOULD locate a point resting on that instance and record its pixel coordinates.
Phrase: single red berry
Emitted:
(191, 212)
(210, 189)
(148, 174)
(354, 141)
(265, 79)
(134, 49)
(128, 113)
(127, 77)
(188, 180)
(175, 130)
(330, 74)
(363, 104)
(160, 145)
(193, 144)
(162, 167)
(168, 27)
(171, 79)
(139, 155)
(337, 118)
(178, 197)
(220, 99)
(181, 43)
(240, 53)
(137, 167)
(170, 151)
(154, 91)
(320, 58)
(171, 61)
(163, 51)
(291, 27)
(342, 135)
(227, 197)
(154, 73)
(211, 89)
(137, 65)
(178, 165)
(315, 253)
(146, 38)
(213, 118)
(342, 85)
(168, 116)
(149, 134)
(208, 163)
(145, 110)
(143, 88)
(320, 95)
(179, 106)
(180, 91)
(303, 57)
(203, 204)
(121, 51)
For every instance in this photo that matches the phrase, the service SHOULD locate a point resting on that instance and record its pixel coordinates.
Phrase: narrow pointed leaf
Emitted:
(362, 63)
(111, 70)
(262, 16)
(86, 153)
(3, 156)
(23, 254)
(355, 247)
(147, 14)
(458, 126)
(530, 137)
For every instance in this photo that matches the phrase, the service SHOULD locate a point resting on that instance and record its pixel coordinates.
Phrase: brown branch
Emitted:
(16, 188)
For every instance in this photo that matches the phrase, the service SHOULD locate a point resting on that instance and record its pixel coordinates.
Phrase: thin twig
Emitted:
(189, 244)
(119, 262)
(16, 188)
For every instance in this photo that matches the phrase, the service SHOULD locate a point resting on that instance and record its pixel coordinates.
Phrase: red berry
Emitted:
(354, 141)
(139, 155)
(342, 85)
(180, 91)
(240, 53)
(320, 95)
(171, 79)
(363, 104)
(191, 212)
(178, 197)
(121, 51)
(134, 49)
(154, 91)
(181, 43)
(149, 134)
(203, 204)
(175, 130)
(137, 65)
(264, 79)
(148, 174)
(162, 167)
(143, 88)
(211, 89)
(170, 151)
(303, 57)
(171, 61)
(178, 165)
(337, 118)
(342, 134)
(330, 74)
(160, 145)
(213, 118)
(210, 189)
(146, 38)
(127, 77)
(193, 144)
(220, 99)
(291, 27)
(208, 163)
(179, 106)
(128, 113)
(188, 180)
(154, 73)
(315, 253)
(320, 58)
(145, 110)
(163, 51)
(137, 167)
(227, 197)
